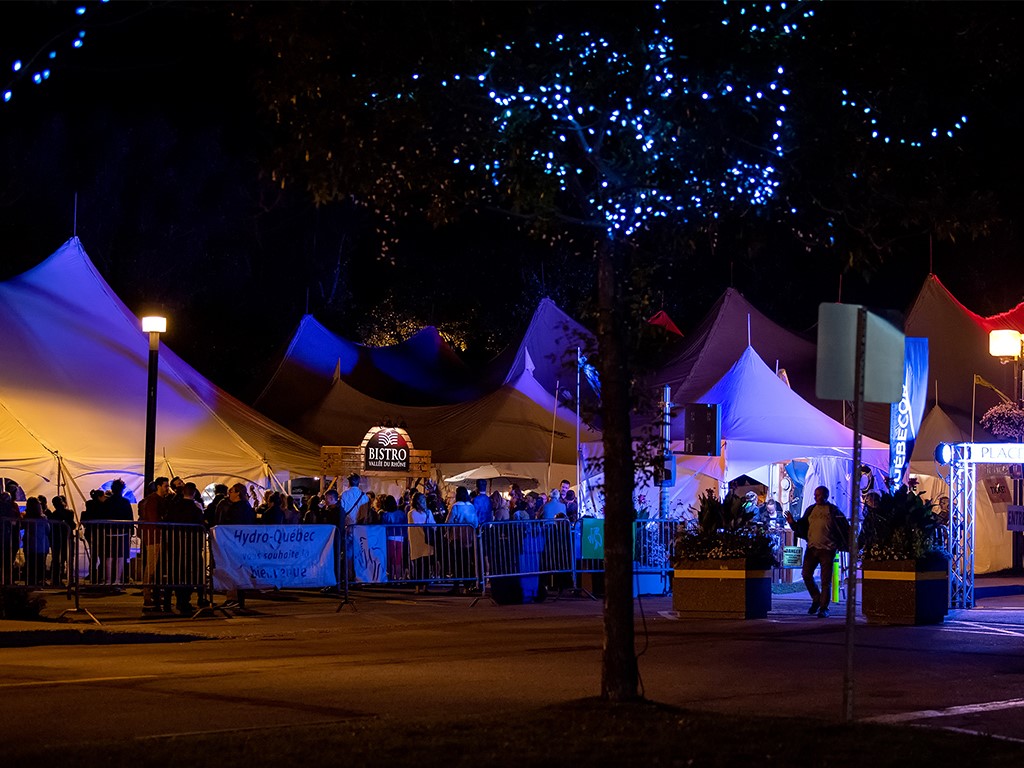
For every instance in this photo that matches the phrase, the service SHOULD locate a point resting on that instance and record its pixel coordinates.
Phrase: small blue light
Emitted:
(53, 54)
(80, 10)
(77, 44)
(37, 78)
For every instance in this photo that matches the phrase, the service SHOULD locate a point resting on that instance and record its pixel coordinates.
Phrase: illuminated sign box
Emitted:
(387, 449)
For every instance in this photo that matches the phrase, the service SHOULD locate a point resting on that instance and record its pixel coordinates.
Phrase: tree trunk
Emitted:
(619, 675)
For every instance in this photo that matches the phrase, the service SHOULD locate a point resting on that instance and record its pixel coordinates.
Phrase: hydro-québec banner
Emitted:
(273, 556)
(906, 415)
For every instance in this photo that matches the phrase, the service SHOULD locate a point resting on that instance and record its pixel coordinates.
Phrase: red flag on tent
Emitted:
(662, 319)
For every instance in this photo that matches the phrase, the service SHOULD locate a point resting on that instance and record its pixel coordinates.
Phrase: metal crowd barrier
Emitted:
(444, 554)
(36, 553)
(172, 560)
(412, 554)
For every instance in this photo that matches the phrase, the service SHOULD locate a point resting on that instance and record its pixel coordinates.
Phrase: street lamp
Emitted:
(1008, 346)
(154, 326)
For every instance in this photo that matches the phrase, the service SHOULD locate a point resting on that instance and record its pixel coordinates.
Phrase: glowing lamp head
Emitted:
(153, 324)
(943, 453)
(1004, 343)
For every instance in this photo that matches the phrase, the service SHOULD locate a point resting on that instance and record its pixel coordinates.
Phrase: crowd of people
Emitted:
(35, 542)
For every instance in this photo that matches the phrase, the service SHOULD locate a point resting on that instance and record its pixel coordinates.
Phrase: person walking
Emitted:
(826, 531)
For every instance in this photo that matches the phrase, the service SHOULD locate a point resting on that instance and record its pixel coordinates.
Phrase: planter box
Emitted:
(721, 589)
(905, 591)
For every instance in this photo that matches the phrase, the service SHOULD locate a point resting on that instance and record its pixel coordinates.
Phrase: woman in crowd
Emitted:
(314, 511)
(292, 515)
(421, 540)
(37, 542)
(395, 520)
(274, 514)
(499, 507)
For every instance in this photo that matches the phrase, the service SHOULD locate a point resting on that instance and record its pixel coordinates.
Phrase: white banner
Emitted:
(272, 556)
(370, 554)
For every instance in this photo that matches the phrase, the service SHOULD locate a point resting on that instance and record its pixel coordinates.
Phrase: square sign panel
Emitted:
(837, 350)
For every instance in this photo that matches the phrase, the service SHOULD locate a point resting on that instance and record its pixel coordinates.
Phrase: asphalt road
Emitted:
(299, 661)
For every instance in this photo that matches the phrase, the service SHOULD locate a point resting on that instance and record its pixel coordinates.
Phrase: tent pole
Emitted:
(578, 472)
(551, 450)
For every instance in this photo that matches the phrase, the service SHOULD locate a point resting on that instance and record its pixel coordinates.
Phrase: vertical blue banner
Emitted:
(905, 416)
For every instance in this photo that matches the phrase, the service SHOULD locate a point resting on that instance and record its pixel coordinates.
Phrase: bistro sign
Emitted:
(386, 449)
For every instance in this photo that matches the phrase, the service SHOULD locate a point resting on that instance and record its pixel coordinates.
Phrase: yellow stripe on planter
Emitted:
(724, 573)
(904, 575)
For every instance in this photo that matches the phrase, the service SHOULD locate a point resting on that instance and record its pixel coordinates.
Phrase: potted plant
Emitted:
(722, 562)
(904, 562)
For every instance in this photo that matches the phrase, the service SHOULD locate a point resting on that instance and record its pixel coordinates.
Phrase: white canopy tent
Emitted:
(73, 389)
(765, 423)
(993, 544)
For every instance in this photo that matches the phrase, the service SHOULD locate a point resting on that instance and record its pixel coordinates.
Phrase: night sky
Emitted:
(159, 123)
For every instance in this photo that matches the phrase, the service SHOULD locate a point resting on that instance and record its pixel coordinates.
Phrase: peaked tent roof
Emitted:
(958, 349)
(422, 370)
(764, 421)
(516, 423)
(548, 348)
(74, 381)
(937, 427)
(721, 339)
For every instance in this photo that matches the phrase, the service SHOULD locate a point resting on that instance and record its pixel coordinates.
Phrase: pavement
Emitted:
(118, 618)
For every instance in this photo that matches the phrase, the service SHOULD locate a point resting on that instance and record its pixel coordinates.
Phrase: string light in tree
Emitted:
(619, 129)
(37, 69)
(874, 128)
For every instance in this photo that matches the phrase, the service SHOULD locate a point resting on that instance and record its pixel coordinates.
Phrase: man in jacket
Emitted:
(826, 532)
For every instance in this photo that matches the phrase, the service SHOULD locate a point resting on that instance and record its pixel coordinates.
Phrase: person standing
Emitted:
(421, 540)
(396, 522)
(37, 542)
(236, 510)
(183, 545)
(554, 507)
(354, 503)
(63, 520)
(119, 511)
(826, 530)
(462, 518)
(482, 503)
(153, 510)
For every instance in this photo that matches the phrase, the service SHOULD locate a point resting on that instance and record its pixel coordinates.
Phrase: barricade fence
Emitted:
(163, 558)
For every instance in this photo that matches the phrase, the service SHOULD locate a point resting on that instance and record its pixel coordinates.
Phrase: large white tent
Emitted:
(73, 387)
(765, 423)
(993, 544)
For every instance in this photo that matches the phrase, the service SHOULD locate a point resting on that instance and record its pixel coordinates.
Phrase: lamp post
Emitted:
(154, 326)
(1008, 346)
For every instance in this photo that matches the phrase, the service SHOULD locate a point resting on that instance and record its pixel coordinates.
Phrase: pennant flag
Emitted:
(662, 320)
(979, 381)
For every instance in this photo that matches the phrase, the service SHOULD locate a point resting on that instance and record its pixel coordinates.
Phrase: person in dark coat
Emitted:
(236, 510)
(183, 546)
(118, 532)
(37, 542)
(95, 510)
(61, 531)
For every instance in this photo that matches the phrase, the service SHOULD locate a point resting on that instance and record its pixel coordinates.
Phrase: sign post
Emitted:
(860, 358)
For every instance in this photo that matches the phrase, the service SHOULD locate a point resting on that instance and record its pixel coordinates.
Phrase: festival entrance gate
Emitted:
(962, 458)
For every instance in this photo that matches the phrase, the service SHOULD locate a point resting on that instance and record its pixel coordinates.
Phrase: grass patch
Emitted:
(584, 733)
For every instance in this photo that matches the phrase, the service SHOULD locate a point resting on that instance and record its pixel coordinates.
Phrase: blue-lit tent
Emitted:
(332, 391)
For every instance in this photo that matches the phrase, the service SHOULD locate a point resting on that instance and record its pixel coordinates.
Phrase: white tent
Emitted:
(764, 422)
(73, 387)
(993, 544)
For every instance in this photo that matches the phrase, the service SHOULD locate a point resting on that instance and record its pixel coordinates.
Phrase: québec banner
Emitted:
(273, 556)
(906, 415)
